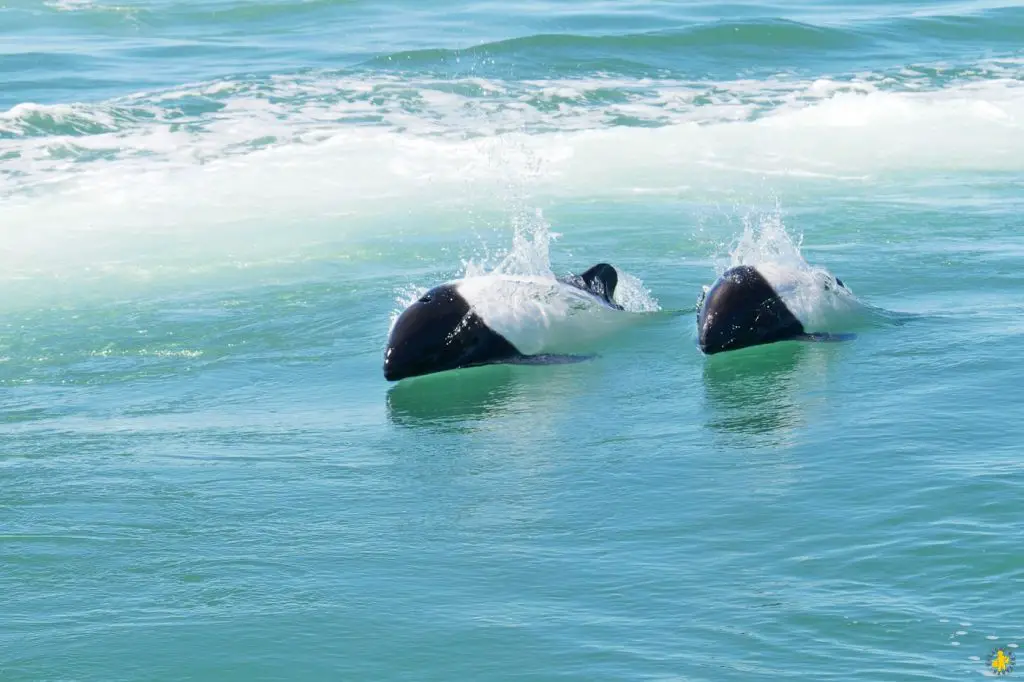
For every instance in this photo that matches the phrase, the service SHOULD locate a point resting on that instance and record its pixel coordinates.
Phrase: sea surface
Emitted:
(211, 212)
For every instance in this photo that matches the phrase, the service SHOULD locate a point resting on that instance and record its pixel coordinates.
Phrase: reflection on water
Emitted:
(757, 396)
(450, 399)
(480, 441)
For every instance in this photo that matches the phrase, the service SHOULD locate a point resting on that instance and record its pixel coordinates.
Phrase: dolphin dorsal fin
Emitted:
(602, 280)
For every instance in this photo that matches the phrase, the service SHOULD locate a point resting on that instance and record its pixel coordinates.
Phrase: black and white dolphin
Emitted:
(493, 319)
(750, 306)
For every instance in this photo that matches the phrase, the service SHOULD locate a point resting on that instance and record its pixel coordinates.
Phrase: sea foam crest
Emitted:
(835, 127)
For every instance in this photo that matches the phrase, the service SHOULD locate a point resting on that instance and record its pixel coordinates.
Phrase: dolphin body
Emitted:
(751, 306)
(499, 319)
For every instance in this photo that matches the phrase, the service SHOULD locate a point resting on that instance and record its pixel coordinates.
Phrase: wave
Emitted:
(779, 34)
(766, 41)
(190, 12)
(921, 117)
(83, 42)
(991, 26)
(338, 152)
(797, 28)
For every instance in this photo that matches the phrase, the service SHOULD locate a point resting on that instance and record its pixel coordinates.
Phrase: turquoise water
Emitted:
(212, 210)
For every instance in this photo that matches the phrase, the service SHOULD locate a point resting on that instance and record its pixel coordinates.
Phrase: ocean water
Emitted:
(212, 210)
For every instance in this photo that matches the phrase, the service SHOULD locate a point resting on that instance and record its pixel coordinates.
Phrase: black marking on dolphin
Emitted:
(742, 309)
(441, 331)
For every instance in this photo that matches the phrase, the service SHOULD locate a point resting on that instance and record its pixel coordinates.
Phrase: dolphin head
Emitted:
(742, 309)
(440, 332)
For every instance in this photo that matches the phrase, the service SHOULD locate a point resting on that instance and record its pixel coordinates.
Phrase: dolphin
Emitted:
(754, 305)
(503, 319)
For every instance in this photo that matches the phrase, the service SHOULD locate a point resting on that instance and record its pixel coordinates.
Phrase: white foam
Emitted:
(821, 127)
(70, 5)
(199, 171)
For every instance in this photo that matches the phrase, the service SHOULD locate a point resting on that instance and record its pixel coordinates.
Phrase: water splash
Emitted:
(528, 261)
(634, 296)
(813, 293)
(765, 240)
(530, 256)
